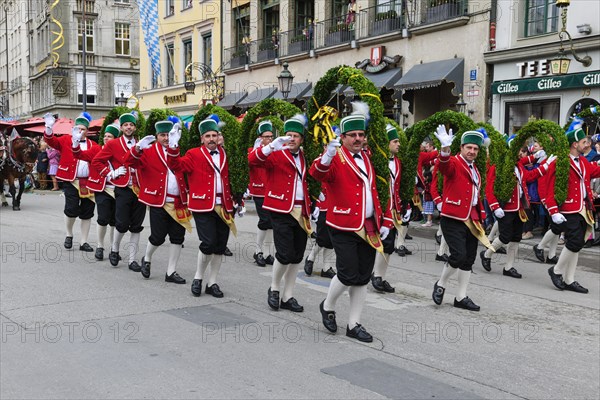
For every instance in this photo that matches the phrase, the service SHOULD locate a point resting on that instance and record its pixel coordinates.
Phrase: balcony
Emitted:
(433, 11)
(87, 6)
(238, 56)
(90, 59)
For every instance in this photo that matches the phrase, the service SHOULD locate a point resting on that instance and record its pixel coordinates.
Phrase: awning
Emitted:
(96, 125)
(257, 96)
(297, 92)
(433, 74)
(62, 126)
(385, 79)
(231, 99)
(548, 83)
(187, 118)
(338, 90)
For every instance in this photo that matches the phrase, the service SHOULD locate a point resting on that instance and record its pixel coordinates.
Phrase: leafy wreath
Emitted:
(114, 114)
(375, 131)
(235, 157)
(459, 123)
(554, 141)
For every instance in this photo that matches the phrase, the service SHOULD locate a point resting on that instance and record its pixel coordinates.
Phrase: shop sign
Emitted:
(178, 98)
(533, 68)
(572, 81)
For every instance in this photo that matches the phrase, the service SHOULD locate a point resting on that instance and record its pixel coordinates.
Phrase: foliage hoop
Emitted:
(378, 142)
(114, 114)
(554, 141)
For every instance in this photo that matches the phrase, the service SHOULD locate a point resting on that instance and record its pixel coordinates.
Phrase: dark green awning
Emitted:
(433, 74)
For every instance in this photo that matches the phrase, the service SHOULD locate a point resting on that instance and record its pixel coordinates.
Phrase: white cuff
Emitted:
(326, 159)
(267, 150)
(444, 154)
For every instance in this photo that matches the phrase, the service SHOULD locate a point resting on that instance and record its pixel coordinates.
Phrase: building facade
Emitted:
(527, 40)
(68, 36)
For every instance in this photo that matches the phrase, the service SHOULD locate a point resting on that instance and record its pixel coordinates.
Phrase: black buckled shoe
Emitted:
(227, 252)
(134, 266)
(99, 254)
(330, 273)
(328, 318)
(359, 333)
(557, 280)
(443, 258)
(377, 283)
(86, 247)
(552, 261)
(270, 259)
(408, 237)
(197, 287)
(438, 239)
(308, 266)
(273, 299)
(501, 250)
(402, 251)
(388, 288)
(485, 262)
(114, 258)
(466, 304)
(513, 273)
(214, 290)
(260, 260)
(68, 242)
(145, 269)
(174, 278)
(576, 287)
(438, 294)
(539, 253)
(292, 305)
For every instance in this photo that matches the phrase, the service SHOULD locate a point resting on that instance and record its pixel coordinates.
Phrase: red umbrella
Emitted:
(62, 126)
(96, 125)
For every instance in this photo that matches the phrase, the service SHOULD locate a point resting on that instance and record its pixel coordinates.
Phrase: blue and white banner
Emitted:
(149, 22)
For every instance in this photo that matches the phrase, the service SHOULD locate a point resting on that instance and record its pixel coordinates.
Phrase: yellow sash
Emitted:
(417, 202)
(88, 194)
(182, 216)
(397, 219)
(136, 189)
(110, 191)
(477, 230)
(373, 240)
(523, 215)
(302, 220)
(227, 218)
(589, 220)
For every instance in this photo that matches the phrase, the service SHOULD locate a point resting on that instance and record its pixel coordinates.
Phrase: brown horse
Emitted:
(18, 158)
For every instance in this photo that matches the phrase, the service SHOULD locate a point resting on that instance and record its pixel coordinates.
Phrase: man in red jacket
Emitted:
(354, 217)
(256, 188)
(130, 213)
(575, 214)
(287, 199)
(166, 195)
(210, 199)
(462, 213)
(75, 173)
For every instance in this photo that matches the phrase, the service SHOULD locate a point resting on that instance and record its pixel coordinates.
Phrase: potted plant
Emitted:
(439, 10)
(386, 22)
(298, 44)
(238, 58)
(339, 33)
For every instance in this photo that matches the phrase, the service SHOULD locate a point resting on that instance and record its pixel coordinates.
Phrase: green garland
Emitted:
(114, 114)
(497, 147)
(459, 123)
(552, 138)
(588, 117)
(378, 142)
(236, 157)
(160, 114)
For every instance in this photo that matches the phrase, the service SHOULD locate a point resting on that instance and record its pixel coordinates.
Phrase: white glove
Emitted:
(332, 147)
(280, 143)
(49, 120)
(444, 137)
(241, 211)
(549, 161)
(146, 142)
(499, 213)
(122, 170)
(321, 197)
(558, 218)
(76, 135)
(384, 232)
(540, 156)
(315, 214)
(406, 216)
(439, 207)
(174, 136)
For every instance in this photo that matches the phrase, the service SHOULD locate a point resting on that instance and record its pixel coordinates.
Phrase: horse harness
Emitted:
(9, 157)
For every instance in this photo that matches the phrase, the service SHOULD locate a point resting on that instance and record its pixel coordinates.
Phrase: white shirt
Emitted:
(578, 166)
(393, 172)
(172, 186)
(475, 177)
(369, 210)
(83, 167)
(217, 161)
(520, 179)
(130, 143)
(299, 187)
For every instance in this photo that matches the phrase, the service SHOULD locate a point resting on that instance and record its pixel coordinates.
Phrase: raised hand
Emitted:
(146, 142)
(280, 143)
(332, 147)
(444, 137)
(76, 135)
(174, 136)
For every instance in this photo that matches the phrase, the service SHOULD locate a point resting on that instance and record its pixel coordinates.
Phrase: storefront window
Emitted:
(518, 114)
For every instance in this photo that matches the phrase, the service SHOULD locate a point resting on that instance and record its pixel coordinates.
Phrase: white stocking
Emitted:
(101, 233)
(201, 264)
(215, 266)
(380, 267)
(260, 240)
(447, 272)
(174, 252)
(150, 249)
(336, 288)
(463, 282)
(511, 254)
(69, 222)
(496, 244)
(358, 294)
(116, 243)
(278, 272)
(289, 281)
(85, 230)
(134, 244)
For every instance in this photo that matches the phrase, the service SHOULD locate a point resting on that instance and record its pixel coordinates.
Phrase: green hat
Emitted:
(127, 117)
(113, 130)
(212, 123)
(163, 126)
(295, 124)
(472, 137)
(265, 126)
(83, 119)
(392, 133)
(575, 135)
(354, 122)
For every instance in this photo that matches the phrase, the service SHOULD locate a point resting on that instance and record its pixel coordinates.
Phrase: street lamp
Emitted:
(285, 79)
(397, 110)
(460, 104)
(121, 101)
(560, 64)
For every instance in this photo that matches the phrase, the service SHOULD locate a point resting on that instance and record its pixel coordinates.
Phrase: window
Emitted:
(89, 35)
(90, 87)
(207, 49)
(518, 114)
(270, 17)
(242, 24)
(305, 12)
(170, 7)
(122, 84)
(122, 1)
(122, 39)
(187, 4)
(187, 53)
(170, 68)
(541, 16)
(339, 8)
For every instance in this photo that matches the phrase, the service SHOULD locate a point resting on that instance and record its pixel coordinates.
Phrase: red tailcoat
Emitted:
(114, 152)
(67, 168)
(458, 188)
(575, 201)
(515, 203)
(258, 177)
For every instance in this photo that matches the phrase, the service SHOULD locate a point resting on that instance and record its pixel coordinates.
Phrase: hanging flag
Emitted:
(149, 22)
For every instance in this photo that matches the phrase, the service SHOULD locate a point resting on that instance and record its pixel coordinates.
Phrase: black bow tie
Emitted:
(357, 156)
(471, 166)
(295, 155)
(576, 159)
(82, 141)
(391, 158)
(212, 153)
(129, 142)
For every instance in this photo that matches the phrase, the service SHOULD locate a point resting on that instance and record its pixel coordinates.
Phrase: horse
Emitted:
(18, 159)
